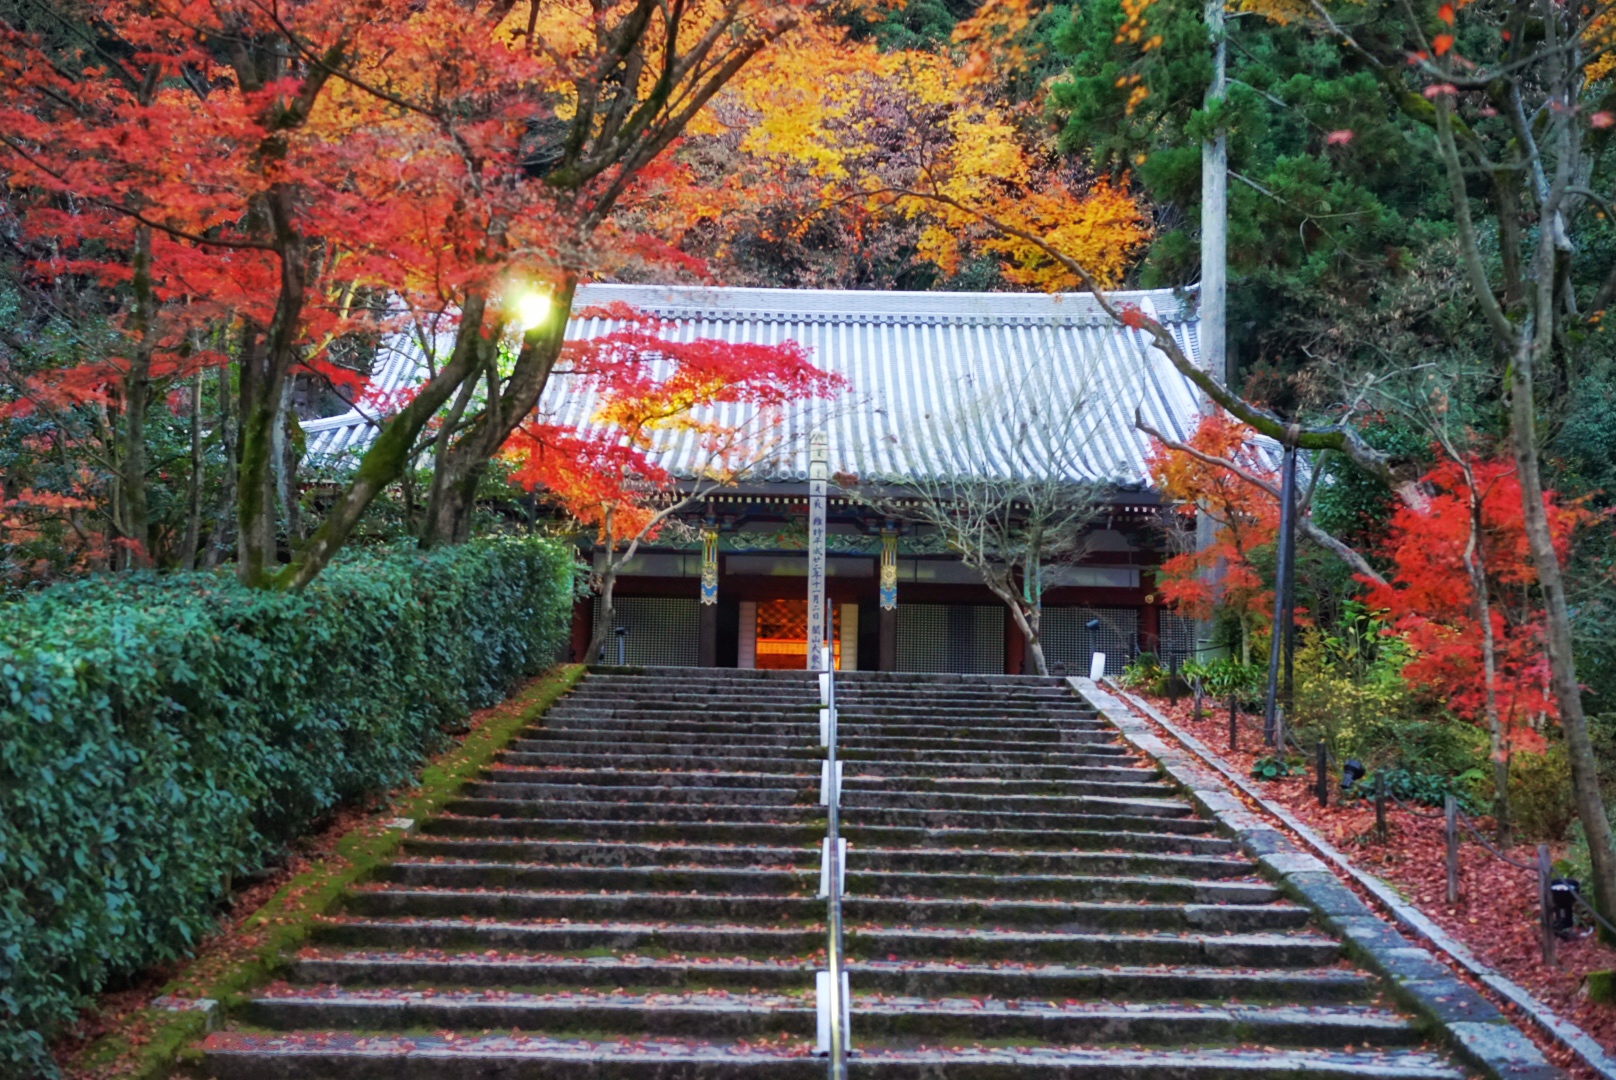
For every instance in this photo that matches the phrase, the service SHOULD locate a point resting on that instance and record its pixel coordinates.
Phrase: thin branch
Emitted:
(1335, 546)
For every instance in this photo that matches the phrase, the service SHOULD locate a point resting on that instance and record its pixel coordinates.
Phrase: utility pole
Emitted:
(1215, 214)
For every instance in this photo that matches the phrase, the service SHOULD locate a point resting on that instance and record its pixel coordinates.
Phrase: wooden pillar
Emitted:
(746, 643)
(1015, 646)
(889, 640)
(583, 621)
(707, 650)
(1150, 628)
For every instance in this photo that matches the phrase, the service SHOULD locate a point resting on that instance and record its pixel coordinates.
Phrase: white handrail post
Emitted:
(830, 985)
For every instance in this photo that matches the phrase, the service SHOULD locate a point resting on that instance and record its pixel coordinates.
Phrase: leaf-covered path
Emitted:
(630, 892)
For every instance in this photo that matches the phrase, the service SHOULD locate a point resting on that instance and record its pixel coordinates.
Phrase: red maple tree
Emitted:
(669, 422)
(1220, 576)
(1432, 601)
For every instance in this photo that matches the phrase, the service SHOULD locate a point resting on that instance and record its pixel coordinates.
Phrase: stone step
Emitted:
(385, 900)
(741, 712)
(807, 727)
(1145, 784)
(1190, 836)
(1079, 797)
(1126, 814)
(932, 860)
(605, 853)
(736, 1016)
(776, 813)
(807, 774)
(325, 1056)
(786, 881)
(643, 740)
(1118, 780)
(805, 791)
(629, 893)
(1300, 949)
(805, 833)
(1034, 766)
(636, 753)
(451, 970)
(1140, 800)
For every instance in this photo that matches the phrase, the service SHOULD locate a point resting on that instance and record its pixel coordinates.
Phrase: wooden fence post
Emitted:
(1545, 902)
(1450, 835)
(1323, 786)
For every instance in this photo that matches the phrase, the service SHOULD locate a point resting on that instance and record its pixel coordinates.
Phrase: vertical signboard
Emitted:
(818, 474)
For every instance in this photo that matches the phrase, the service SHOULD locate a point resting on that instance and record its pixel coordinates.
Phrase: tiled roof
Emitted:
(909, 358)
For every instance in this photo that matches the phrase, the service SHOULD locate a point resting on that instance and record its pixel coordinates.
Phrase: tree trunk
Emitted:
(1497, 738)
(449, 517)
(224, 519)
(261, 381)
(604, 623)
(1557, 632)
(285, 455)
(135, 516)
(430, 532)
(389, 454)
(193, 490)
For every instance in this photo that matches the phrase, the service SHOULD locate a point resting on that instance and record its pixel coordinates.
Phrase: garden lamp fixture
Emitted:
(1351, 773)
(532, 308)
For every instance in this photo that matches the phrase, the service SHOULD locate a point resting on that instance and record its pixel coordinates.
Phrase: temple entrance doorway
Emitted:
(780, 634)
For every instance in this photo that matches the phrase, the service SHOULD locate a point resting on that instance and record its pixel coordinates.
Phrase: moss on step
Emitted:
(150, 1043)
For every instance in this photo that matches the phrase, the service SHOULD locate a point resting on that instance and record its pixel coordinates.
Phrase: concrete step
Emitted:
(438, 968)
(328, 1056)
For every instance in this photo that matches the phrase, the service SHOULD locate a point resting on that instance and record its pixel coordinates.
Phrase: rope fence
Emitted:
(1558, 897)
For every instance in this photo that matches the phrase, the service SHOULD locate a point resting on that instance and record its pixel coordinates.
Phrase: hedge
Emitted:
(161, 735)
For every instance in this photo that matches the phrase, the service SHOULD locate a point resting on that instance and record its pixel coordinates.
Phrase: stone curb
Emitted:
(1477, 1032)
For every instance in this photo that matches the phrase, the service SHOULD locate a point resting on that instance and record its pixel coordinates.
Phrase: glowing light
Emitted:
(532, 309)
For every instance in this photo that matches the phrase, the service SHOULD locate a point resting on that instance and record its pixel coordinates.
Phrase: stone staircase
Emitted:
(630, 893)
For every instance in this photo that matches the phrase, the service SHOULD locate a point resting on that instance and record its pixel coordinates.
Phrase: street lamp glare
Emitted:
(532, 309)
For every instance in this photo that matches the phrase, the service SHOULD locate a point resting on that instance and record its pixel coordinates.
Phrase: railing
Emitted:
(830, 985)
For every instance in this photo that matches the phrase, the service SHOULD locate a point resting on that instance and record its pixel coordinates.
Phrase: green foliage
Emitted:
(159, 735)
(1276, 768)
(1145, 673)
(1428, 789)
(1540, 799)
(1225, 676)
(1332, 193)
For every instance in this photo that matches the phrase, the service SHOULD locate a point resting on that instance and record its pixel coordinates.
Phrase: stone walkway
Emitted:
(630, 893)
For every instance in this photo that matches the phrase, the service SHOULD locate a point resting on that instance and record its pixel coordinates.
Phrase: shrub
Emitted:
(1540, 793)
(1145, 673)
(1226, 675)
(160, 735)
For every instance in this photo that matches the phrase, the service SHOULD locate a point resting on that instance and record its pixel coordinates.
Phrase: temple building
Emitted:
(934, 382)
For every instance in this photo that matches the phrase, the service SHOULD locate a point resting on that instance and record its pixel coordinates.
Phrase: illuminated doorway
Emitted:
(782, 634)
